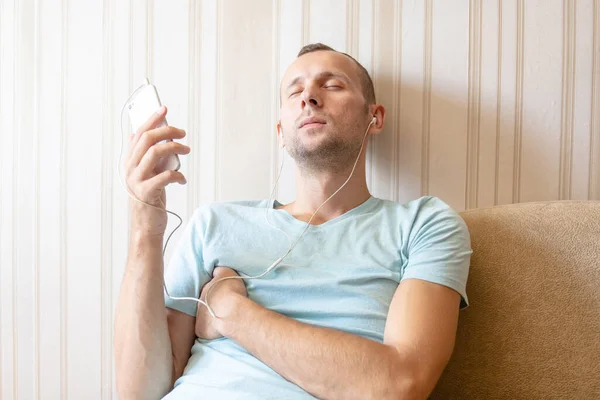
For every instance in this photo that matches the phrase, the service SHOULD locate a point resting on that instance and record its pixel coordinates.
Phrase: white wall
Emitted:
(489, 102)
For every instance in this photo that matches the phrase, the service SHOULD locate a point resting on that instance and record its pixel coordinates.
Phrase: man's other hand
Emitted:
(220, 300)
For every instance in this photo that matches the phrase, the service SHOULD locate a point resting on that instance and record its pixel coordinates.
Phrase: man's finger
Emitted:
(152, 137)
(151, 123)
(155, 153)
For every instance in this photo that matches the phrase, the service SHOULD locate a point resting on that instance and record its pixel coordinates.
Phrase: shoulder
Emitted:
(435, 221)
(428, 204)
(421, 210)
(427, 217)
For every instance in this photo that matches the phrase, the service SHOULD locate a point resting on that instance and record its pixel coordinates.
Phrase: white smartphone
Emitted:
(141, 107)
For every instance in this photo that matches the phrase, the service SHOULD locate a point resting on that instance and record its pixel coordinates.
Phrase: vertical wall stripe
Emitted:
(36, 199)
(219, 108)
(374, 39)
(396, 96)
(573, 81)
(376, 78)
(275, 154)
(355, 28)
(106, 191)
(199, 56)
(129, 79)
(192, 127)
(594, 180)
(15, 202)
(349, 27)
(1, 197)
(426, 98)
(498, 105)
(474, 105)
(519, 102)
(149, 38)
(352, 25)
(62, 228)
(568, 101)
(305, 22)
(130, 60)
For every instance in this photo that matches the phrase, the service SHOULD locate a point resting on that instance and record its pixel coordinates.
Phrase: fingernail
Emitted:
(160, 110)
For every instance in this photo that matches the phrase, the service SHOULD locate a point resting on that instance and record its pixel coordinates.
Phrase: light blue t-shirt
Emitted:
(342, 274)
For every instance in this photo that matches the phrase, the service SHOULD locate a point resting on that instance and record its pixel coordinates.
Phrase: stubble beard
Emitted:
(333, 154)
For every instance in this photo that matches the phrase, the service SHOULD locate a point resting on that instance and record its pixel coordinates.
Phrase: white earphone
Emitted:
(292, 245)
(267, 209)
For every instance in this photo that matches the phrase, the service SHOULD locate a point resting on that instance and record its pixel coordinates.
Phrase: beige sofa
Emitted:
(532, 330)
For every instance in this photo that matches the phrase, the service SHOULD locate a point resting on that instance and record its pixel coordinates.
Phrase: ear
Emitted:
(280, 134)
(378, 113)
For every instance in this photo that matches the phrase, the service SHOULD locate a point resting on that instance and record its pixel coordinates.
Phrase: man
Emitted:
(364, 307)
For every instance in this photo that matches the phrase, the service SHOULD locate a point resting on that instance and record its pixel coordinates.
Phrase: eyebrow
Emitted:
(320, 75)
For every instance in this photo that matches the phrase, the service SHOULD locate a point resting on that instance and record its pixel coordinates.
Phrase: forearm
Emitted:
(325, 362)
(143, 355)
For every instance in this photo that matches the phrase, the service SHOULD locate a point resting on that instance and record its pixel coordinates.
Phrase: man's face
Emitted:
(325, 86)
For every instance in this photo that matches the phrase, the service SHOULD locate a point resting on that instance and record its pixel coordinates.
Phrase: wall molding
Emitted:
(219, 106)
(594, 180)
(352, 26)
(518, 144)
(149, 39)
(474, 104)
(2, 11)
(396, 99)
(62, 228)
(426, 133)
(568, 101)
(498, 107)
(305, 22)
(275, 51)
(106, 190)
(15, 201)
(374, 50)
(193, 126)
(36, 198)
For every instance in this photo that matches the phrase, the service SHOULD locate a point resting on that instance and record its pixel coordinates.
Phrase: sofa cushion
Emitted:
(533, 327)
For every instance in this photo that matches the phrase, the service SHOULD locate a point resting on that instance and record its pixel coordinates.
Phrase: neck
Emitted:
(313, 188)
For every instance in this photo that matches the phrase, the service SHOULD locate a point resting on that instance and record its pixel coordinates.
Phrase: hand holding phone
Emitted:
(151, 151)
(140, 108)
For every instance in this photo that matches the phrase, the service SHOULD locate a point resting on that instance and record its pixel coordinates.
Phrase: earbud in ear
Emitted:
(374, 120)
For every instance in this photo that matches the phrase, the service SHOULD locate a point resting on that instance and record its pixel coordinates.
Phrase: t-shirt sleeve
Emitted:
(439, 247)
(185, 274)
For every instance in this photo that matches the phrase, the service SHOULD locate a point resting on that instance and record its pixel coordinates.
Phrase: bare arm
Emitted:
(143, 354)
(418, 341)
(152, 343)
(147, 359)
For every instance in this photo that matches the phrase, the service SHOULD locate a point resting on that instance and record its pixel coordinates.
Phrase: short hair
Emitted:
(365, 80)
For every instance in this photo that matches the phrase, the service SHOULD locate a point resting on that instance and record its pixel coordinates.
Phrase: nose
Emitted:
(310, 98)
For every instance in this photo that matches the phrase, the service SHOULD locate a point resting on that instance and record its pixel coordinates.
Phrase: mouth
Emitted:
(312, 122)
(312, 125)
